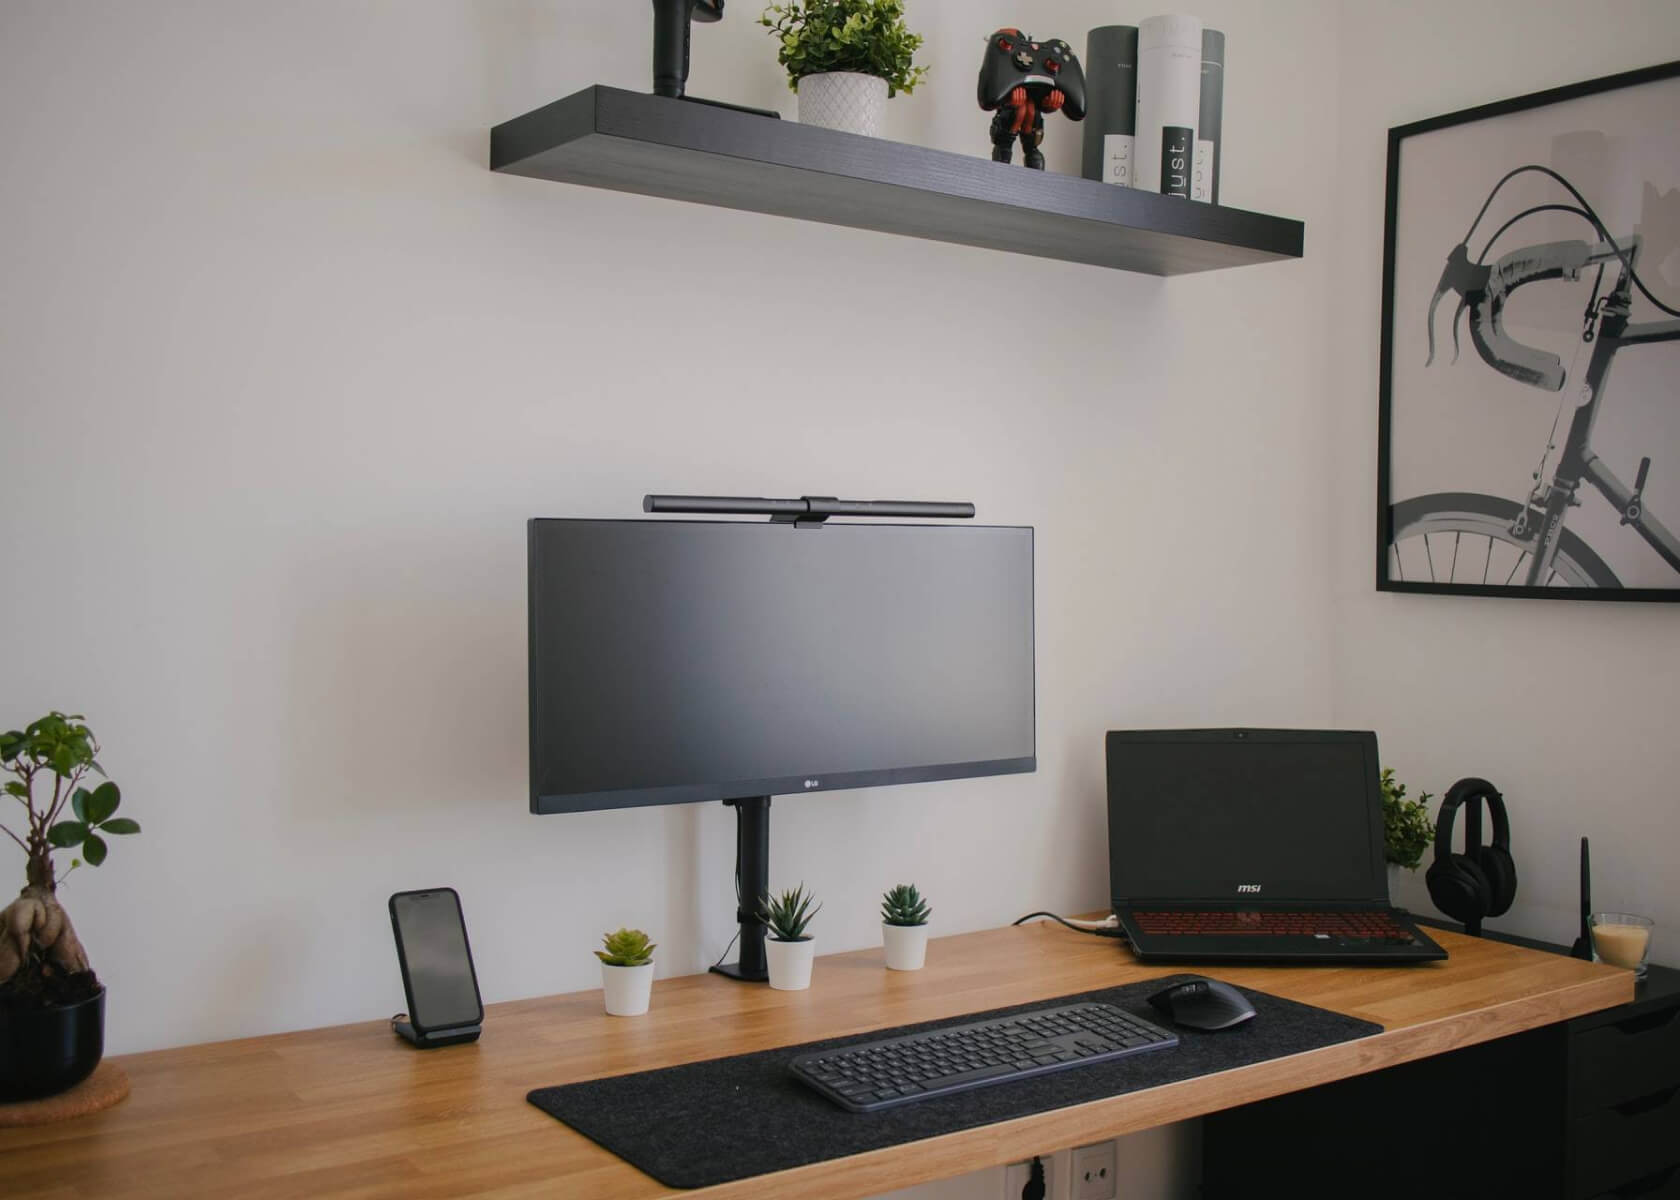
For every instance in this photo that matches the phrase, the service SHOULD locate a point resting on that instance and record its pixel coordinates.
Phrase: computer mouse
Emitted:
(1198, 1003)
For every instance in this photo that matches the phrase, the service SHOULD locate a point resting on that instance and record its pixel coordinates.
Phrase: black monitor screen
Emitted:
(1244, 816)
(677, 661)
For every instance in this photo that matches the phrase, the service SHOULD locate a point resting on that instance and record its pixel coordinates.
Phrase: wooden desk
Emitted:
(352, 1111)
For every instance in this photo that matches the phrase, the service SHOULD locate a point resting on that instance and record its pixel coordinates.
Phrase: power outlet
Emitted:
(1093, 1172)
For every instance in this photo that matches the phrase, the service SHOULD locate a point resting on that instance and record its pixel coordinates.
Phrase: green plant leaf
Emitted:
(67, 833)
(94, 849)
(15, 787)
(101, 803)
(78, 803)
(120, 825)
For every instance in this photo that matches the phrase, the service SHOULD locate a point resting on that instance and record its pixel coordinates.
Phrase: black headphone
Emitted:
(1482, 881)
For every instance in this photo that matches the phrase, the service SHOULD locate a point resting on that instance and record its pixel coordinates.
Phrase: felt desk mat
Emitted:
(711, 1122)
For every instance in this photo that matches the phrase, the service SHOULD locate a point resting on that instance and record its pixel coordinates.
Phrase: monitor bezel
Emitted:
(798, 784)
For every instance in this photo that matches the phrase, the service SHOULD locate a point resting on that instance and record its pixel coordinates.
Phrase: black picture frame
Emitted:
(1411, 518)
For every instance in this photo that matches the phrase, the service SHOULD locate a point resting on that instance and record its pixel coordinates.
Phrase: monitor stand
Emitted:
(752, 880)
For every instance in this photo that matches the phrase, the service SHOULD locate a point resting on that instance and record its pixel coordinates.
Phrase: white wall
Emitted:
(1568, 706)
(285, 369)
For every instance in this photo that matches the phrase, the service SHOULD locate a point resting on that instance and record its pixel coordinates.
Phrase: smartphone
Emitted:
(437, 968)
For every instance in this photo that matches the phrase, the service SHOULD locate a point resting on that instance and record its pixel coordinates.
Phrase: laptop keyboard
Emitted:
(1369, 926)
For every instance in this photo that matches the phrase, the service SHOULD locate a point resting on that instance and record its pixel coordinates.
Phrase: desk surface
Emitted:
(353, 1111)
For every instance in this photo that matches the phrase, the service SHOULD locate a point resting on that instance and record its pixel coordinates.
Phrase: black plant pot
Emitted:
(50, 1051)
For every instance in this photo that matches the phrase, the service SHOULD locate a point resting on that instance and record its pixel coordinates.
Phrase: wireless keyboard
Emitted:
(903, 1070)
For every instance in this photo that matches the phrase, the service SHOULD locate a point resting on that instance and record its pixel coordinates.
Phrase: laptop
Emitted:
(1253, 845)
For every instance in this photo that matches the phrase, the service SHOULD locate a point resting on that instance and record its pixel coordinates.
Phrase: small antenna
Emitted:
(1583, 944)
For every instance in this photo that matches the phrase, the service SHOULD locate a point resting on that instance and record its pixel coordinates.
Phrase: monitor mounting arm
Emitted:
(752, 813)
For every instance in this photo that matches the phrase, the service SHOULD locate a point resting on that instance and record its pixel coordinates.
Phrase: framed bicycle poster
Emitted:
(1532, 246)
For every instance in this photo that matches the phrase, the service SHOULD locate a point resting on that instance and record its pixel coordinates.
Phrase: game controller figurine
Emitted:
(1022, 80)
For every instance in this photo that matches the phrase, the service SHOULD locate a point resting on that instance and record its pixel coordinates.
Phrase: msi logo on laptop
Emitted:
(1252, 888)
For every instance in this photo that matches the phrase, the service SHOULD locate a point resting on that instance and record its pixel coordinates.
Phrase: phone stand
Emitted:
(433, 1038)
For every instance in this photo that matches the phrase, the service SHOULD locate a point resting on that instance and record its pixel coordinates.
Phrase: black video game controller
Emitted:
(1022, 80)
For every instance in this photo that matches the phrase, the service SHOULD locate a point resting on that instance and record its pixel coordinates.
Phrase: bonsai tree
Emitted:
(1407, 829)
(904, 906)
(865, 36)
(626, 948)
(40, 954)
(787, 915)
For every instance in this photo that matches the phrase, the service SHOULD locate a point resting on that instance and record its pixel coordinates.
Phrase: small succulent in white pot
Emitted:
(789, 950)
(904, 931)
(626, 972)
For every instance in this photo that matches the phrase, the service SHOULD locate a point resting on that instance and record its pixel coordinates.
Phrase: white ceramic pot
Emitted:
(906, 946)
(628, 989)
(1394, 876)
(843, 100)
(790, 963)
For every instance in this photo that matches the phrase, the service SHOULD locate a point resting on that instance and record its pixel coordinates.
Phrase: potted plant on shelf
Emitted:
(1407, 829)
(845, 58)
(788, 950)
(904, 917)
(52, 1006)
(626, 972)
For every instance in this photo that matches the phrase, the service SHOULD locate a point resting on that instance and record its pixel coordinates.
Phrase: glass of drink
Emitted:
(1622, 940)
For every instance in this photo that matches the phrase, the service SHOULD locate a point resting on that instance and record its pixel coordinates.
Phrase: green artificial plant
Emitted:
(866, 36)
(1407, 829)
(787, 915)
(40, 955)
(626, 948)
(903, 905)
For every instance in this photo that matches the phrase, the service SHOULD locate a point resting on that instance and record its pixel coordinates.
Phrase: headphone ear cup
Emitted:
(1458, 887)
(1501, 875)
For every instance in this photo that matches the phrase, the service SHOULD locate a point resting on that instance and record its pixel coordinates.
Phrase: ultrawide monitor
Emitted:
(683, 661)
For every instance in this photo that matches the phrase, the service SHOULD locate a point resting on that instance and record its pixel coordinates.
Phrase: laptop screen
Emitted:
(1244, 816)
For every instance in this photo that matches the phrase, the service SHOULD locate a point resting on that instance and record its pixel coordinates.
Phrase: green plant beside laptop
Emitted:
(1408, 830)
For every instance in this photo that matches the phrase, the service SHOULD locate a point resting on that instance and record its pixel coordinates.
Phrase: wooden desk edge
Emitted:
(157, 1143)
(1006, 1142)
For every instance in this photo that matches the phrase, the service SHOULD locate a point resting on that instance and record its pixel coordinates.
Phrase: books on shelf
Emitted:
(1156, 95)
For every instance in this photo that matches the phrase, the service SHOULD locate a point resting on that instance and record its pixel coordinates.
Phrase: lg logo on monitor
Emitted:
(811, 783)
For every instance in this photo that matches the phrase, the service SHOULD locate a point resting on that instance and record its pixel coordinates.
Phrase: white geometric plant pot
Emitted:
(843, 100)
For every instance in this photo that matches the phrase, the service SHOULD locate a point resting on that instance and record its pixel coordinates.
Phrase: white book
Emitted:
(1169, 102)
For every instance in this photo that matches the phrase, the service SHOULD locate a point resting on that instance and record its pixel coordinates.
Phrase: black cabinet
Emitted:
(1623, 1096)
(1582, 1110)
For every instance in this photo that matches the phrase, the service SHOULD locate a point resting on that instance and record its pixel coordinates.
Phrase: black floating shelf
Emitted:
(629, 142)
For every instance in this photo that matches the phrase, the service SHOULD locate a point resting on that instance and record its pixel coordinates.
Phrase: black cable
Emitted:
(727, 949)
(1590, 214)
(1108, 933)
(1529, 212)
(737, 936)
(1034, 1190)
